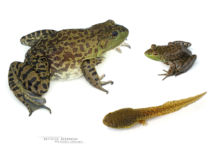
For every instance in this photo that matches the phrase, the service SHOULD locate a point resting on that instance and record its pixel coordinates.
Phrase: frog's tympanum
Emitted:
(176, 54)
(64, 54)
(127, 117)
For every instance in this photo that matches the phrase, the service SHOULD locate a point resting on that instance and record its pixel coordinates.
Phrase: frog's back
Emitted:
(172, 52)
(66, 50)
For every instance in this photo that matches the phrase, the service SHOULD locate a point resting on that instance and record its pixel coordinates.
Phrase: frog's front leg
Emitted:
(28, 85)
(171, 70)
(89, 71)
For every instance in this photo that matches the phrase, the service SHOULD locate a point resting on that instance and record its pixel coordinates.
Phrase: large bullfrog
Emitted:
(64, 54)
(176, 54)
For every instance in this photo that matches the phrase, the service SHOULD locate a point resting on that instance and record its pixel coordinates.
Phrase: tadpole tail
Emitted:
(168, 107)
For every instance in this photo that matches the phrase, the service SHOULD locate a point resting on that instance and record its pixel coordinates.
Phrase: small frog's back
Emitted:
(170, 52)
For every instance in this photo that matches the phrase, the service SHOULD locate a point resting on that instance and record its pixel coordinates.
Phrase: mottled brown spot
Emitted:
(72, 44)
(64, 38)
(87, 45)
(66, 43)
(68, 55)
(59, 35)
(86, 32)
(81, 47)
(56, 58)
(90, 51)
(76, 37)
(78, 55)
(75, 49)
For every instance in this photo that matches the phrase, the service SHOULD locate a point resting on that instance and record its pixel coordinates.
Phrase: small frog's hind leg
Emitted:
(28, 86)
(184, 43)
(184, 66)
(89, 71)
(32, 38)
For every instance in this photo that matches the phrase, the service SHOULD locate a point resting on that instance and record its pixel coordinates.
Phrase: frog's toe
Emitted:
(166, 74)
(107, 82)
(125, 45)
(102, 89)
(101, 77)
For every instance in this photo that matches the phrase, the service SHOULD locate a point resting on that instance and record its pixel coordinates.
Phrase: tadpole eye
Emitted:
(115, 33)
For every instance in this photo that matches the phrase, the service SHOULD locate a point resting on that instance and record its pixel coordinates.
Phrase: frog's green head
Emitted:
(110, 35)
(153, 53)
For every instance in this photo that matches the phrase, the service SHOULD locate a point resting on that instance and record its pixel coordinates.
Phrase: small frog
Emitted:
(64, 54)
(128, 117)
(176, 54)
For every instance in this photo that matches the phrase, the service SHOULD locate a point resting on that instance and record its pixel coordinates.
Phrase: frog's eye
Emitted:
(114, 34)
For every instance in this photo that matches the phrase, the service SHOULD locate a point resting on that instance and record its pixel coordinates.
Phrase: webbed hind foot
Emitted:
(34, 102)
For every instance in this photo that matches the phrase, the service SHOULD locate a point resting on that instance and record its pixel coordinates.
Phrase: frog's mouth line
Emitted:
(123, 44)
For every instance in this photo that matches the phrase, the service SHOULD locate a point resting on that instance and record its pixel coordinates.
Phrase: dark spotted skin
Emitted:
(34, 37)
(62, 55)
(176, 54)
(28, 86)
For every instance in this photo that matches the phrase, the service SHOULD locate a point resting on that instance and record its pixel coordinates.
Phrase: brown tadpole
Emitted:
(128, 117)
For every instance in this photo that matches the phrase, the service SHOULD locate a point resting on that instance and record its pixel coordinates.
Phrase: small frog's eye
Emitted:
(153, 46)
(114, 34)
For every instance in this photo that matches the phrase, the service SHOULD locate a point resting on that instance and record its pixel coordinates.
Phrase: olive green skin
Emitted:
(64, 54)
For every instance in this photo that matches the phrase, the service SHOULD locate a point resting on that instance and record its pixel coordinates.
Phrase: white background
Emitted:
(78, 108)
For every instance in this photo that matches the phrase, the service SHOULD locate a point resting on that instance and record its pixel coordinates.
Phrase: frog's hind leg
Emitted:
(32, 38)
(182, 43)
(89, 71)
(184, 66)
(27, 86)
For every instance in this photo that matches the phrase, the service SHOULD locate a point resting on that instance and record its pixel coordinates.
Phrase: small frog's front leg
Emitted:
(28, 85)
(89, 71)
(171, 70)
